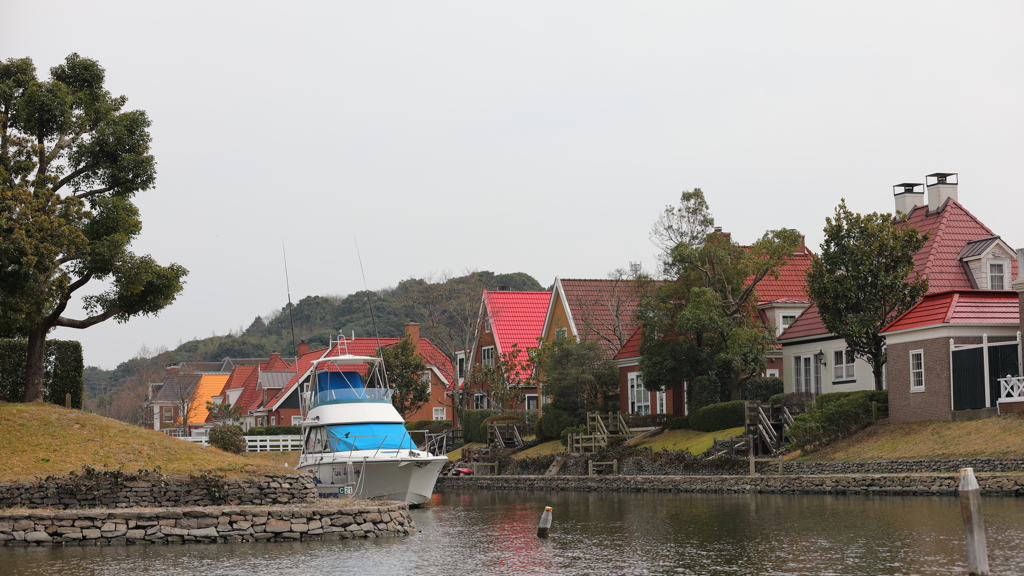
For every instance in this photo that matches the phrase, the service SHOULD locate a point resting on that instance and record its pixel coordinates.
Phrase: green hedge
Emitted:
(677, 423)
(63, 371)
(761, 389)
(431, 426)
(704, 391)
(835, 416)
(880, 396)
(279, 430)
(552, 423)
(718, 416)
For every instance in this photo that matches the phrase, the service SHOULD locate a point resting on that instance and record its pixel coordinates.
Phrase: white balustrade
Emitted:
(1012, 388)
(258, 443)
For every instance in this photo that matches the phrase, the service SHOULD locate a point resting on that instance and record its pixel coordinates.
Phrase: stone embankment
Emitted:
(992, 484)
(201, 524)
(95, 488)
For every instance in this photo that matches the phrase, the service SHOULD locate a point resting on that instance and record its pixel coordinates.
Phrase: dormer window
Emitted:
(995, 277)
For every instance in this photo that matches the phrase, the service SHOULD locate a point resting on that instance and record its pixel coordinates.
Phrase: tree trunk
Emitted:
(876, 369)
(34, 365)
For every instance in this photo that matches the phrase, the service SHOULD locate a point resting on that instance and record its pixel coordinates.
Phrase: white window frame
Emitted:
(167, 414)
(639, 397)
(992, 275)
(425, 379)
(662, 403)
(487, 356)
(843, 362)
(917, 384)
(440, 411)
(783, 324)
(296, 420)
(536, 401)
(561, 332)
(273, 420)
(480, 401)
(772, 373)
(487, 325)
(806, 374)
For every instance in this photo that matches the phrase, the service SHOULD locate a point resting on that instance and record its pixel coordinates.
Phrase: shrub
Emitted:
(278, 430)
(835, 416)
(718, 416)
(63, 371)
(571, 430)
(555, 421)
(761, 389)
(705, 391)
(677, 423)
(228, 438)
(778, 399)
(799, 402)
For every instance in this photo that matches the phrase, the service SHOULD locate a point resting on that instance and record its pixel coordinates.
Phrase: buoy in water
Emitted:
(545, 523)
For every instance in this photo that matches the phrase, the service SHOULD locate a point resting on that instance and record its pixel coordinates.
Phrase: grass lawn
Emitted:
(690, 440)
(542, 449)
(43, 439)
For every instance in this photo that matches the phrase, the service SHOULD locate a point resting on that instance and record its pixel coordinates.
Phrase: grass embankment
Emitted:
(990, 438)
(690, 440)
(42, 440)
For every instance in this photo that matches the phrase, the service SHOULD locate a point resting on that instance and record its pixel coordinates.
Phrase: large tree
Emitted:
(701, 320)
(577, 377)
(864, 278)
(71, 159)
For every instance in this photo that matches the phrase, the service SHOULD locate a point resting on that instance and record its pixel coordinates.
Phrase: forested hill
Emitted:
(445, 309)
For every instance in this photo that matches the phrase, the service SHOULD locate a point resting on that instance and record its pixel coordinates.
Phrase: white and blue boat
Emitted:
(354, 441)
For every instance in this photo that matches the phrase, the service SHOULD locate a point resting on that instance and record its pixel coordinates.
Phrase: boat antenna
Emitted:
(291, 321)
(373, 320)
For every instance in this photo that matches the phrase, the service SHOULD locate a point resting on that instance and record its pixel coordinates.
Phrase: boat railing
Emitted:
(351, 394)
(378, 444)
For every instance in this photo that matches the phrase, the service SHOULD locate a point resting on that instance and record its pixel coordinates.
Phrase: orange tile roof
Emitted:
(961, 307)
(208, 387)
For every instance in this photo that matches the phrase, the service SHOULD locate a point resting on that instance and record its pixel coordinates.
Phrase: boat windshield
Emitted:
(347, 437)
(345, 386)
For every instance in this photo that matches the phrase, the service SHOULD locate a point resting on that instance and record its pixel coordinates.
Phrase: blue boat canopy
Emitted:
(346, 437)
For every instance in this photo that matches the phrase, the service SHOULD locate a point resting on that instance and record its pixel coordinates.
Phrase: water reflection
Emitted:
(483, 533)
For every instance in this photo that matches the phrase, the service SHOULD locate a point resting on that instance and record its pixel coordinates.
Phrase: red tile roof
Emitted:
(598, 306)
(961, 307)
(950, 228)
(791, 285)
(516, 317)
(631, 349)
(237, 379)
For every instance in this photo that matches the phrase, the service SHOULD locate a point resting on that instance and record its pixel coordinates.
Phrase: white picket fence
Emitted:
(259, 443)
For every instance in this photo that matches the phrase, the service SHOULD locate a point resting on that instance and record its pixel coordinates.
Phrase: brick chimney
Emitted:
(274, 355)
(412, 330)
(941, 185)
(909, 195)
(303, 348)
(172, 369)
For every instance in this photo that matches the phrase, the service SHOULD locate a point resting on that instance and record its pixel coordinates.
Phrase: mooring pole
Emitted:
(545, 523)
(974, 525)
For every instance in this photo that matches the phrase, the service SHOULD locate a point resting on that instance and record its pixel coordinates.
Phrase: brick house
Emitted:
(961, 254)
(506, 318)
(947, 353)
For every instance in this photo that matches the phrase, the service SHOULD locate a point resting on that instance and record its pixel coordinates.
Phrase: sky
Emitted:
(537, 137)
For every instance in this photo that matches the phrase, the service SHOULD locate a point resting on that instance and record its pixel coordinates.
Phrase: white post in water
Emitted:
(974, 525)
(545, 523)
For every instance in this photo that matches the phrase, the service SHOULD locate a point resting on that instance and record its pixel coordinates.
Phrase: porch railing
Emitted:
(1012, 388)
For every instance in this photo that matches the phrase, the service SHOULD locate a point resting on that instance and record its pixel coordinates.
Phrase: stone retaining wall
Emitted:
(206, 524)
(114, 489)
(993, 484)
(898, 466)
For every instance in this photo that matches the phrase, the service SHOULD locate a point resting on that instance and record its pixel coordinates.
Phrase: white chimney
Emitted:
(908, 196)
(941, 185)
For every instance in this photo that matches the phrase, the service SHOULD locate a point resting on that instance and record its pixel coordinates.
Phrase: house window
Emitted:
(787, 319)
(639, 397)
(531, 401)
(480, 401)
(296, 420)
(662, 407)
(916, 370)
(561, 332)
(842, 365)
(168, 414)
(273, 420)
(772, 373)
(462, 367)
(487, 356)
(995, 277)
(439, 413)
(806, 374)
(425, 378)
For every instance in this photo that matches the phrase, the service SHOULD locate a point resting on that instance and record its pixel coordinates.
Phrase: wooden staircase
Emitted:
(504, 434)
(601, 428)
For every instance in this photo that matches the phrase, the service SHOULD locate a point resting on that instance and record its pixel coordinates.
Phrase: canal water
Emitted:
(485, 533)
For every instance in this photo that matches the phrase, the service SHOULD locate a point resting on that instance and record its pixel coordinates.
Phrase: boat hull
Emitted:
(404, 480)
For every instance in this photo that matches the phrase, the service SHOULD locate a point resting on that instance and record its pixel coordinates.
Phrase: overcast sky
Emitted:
(541, 137)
